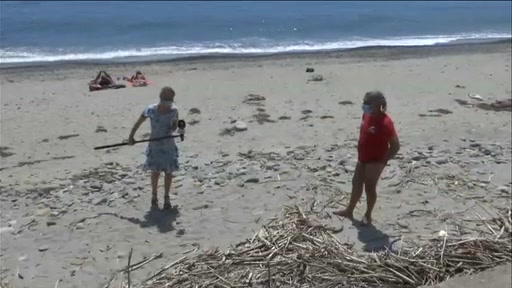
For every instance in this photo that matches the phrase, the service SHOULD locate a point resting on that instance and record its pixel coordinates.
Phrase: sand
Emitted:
(61, 225)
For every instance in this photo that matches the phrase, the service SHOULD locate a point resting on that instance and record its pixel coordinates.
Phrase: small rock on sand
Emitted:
(6, 230)
(316, 78)
(43, 248)
(254, 98)
(240, 126)
(252, 180)
(219, 181)
(43, 212)
(504, 189)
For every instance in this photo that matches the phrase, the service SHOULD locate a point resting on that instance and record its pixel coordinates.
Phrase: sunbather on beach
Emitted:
(101, 81)
(137, 80)
(378, 143)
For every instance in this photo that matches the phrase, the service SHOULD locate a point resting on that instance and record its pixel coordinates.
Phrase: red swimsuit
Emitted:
(374, 137)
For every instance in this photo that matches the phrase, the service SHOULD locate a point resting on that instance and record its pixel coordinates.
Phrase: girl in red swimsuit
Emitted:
(378, 143)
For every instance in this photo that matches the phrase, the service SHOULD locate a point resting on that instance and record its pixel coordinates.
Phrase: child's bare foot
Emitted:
(344, 213)
(154, 202)
(367, 220)
(167, 202)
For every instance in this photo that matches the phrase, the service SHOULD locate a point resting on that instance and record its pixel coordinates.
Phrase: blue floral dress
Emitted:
(161, 156)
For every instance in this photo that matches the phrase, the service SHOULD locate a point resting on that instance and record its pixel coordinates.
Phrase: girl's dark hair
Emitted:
(376, 98)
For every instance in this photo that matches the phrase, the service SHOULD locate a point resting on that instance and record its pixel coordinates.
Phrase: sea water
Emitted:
(48, 31)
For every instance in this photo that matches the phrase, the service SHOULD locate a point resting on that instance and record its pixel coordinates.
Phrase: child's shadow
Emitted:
(162, 219)
(374, 240)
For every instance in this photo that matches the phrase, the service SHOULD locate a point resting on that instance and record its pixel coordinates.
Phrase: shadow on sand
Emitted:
(374, 240)
(162, 219)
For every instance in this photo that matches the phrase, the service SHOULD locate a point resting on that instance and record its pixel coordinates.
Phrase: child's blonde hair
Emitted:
(167, 93)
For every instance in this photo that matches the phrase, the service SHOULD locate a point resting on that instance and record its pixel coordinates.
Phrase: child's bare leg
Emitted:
(167, 183)
(167, 189)
(155, 175)
(372, 174)
(357, 191)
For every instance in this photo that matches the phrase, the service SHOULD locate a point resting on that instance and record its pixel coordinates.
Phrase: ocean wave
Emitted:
(243, 46)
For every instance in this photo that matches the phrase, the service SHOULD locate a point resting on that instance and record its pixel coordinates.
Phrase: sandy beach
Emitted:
(70, 214)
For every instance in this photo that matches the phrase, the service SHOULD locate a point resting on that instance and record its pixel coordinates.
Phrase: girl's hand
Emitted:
(131, 141)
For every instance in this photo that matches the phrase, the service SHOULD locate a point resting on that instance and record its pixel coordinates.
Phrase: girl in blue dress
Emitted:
(162, 155)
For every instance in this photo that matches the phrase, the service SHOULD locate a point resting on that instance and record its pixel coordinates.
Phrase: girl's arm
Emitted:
(394, 146)
(136, 126)
(394, 143)
(174, 124)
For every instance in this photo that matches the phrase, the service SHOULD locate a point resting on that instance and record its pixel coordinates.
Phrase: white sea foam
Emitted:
(261, 46)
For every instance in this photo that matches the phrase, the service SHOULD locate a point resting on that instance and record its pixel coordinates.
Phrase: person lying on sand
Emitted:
(378, 143)
(102, 80)
(137, 80)
(161, 156)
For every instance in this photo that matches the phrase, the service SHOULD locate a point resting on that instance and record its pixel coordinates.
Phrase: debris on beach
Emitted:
(101, 129)
(295, 251)
(238, 126)
(254, 99)
(310, 70)
(4, 152)
(193, 122)
(475, 97)
(346, 102)
(316, 78)
(64, 137)
(496, 106)
(436, 113)
(194, 111)
(263, 118)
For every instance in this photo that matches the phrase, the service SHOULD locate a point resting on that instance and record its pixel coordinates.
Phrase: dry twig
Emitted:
(305, 255)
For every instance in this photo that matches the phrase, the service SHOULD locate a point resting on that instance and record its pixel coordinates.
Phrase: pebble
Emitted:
(441, 161)
(128, 181)
(240, 126)
(48, 187)
(43, 212)
(349, 169)
(204, 206)
(6, 230)
(100, 201)
(219, 181)
(417, 158)
(96, 186)
(43, 248)
(252, 180)
(504, 189)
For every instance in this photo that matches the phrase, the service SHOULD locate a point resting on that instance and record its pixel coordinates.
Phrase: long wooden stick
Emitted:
(139, 141)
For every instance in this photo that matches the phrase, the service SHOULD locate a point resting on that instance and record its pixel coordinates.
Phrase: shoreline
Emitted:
(380, 52)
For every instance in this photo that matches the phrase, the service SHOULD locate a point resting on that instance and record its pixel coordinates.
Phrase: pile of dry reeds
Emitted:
(292, 252)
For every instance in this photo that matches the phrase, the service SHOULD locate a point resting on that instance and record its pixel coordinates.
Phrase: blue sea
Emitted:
(48, 31)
